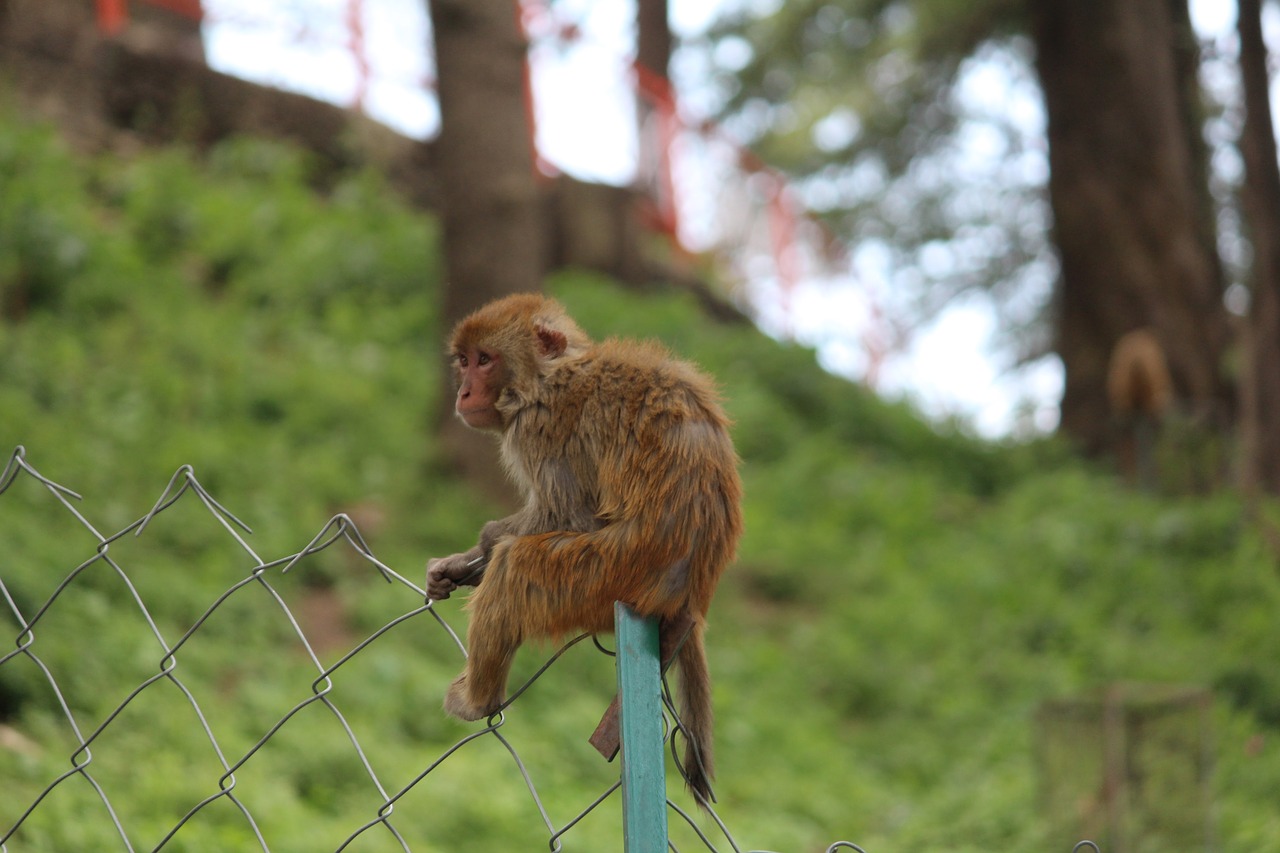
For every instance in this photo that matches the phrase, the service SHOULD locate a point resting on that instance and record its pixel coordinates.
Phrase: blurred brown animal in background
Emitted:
(631, 494)
(1140, 391)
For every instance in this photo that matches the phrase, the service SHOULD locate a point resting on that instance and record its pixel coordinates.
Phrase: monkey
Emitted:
(1140, 392)
(631, 493)
(1138, 376)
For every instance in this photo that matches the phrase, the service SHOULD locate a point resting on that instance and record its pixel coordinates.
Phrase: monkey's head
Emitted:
(503, 351)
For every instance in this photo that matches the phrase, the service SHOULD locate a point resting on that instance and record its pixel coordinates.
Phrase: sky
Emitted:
(950, 367)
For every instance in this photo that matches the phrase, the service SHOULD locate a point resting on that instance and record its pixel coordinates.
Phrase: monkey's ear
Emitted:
(551, 342)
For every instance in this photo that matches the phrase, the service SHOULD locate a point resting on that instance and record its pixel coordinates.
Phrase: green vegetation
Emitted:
(905, 597)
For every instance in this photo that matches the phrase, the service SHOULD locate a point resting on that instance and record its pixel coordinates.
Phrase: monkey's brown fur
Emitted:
(1140, 392)
(631, 494)
(1138, 376)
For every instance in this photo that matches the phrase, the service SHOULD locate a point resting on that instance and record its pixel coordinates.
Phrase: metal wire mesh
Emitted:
(37, 620)
(263, 577)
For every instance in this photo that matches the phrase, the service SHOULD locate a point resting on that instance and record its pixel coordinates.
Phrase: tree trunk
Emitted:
(492, 241)
(653, 36)
(1131, 209)
(1260, 197)
(655, 103)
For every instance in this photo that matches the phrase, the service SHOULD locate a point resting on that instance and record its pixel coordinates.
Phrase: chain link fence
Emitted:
(64, 640)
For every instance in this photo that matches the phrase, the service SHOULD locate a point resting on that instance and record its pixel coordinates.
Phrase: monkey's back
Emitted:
(642, 437)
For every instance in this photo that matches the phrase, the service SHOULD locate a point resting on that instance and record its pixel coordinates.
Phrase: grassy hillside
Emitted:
(905, 598)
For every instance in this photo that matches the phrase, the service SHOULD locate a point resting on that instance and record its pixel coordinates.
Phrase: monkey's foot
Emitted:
(458, 702)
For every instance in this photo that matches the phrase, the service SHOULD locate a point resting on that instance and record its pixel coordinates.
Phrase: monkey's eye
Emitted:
(460, 359)
(483, 359)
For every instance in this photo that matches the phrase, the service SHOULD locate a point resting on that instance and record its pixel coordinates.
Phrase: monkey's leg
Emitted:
(492, 639)
(536, 586)
(512, 605)
(568, 581)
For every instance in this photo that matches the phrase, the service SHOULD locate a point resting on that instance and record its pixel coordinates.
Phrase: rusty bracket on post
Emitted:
(672, 634)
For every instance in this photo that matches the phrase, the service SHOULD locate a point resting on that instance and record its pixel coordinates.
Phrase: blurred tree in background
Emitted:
(1260, 198)
(1133, 218)
(877, 107)
(491, 206)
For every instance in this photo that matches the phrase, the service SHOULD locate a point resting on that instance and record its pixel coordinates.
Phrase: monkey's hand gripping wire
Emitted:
(471, 578)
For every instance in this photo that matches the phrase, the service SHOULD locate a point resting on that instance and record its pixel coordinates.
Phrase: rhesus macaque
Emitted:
(631, 494)
(1140, 392)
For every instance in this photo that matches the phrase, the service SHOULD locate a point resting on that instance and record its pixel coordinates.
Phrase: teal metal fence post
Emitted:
(644, 776)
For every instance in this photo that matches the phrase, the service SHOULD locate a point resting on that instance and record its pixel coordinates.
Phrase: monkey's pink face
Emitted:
(481, 378)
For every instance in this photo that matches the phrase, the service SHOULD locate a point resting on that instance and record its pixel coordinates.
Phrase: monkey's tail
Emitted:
(696, 718)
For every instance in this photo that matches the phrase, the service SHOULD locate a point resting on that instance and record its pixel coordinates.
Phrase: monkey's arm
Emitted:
(446, 574)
